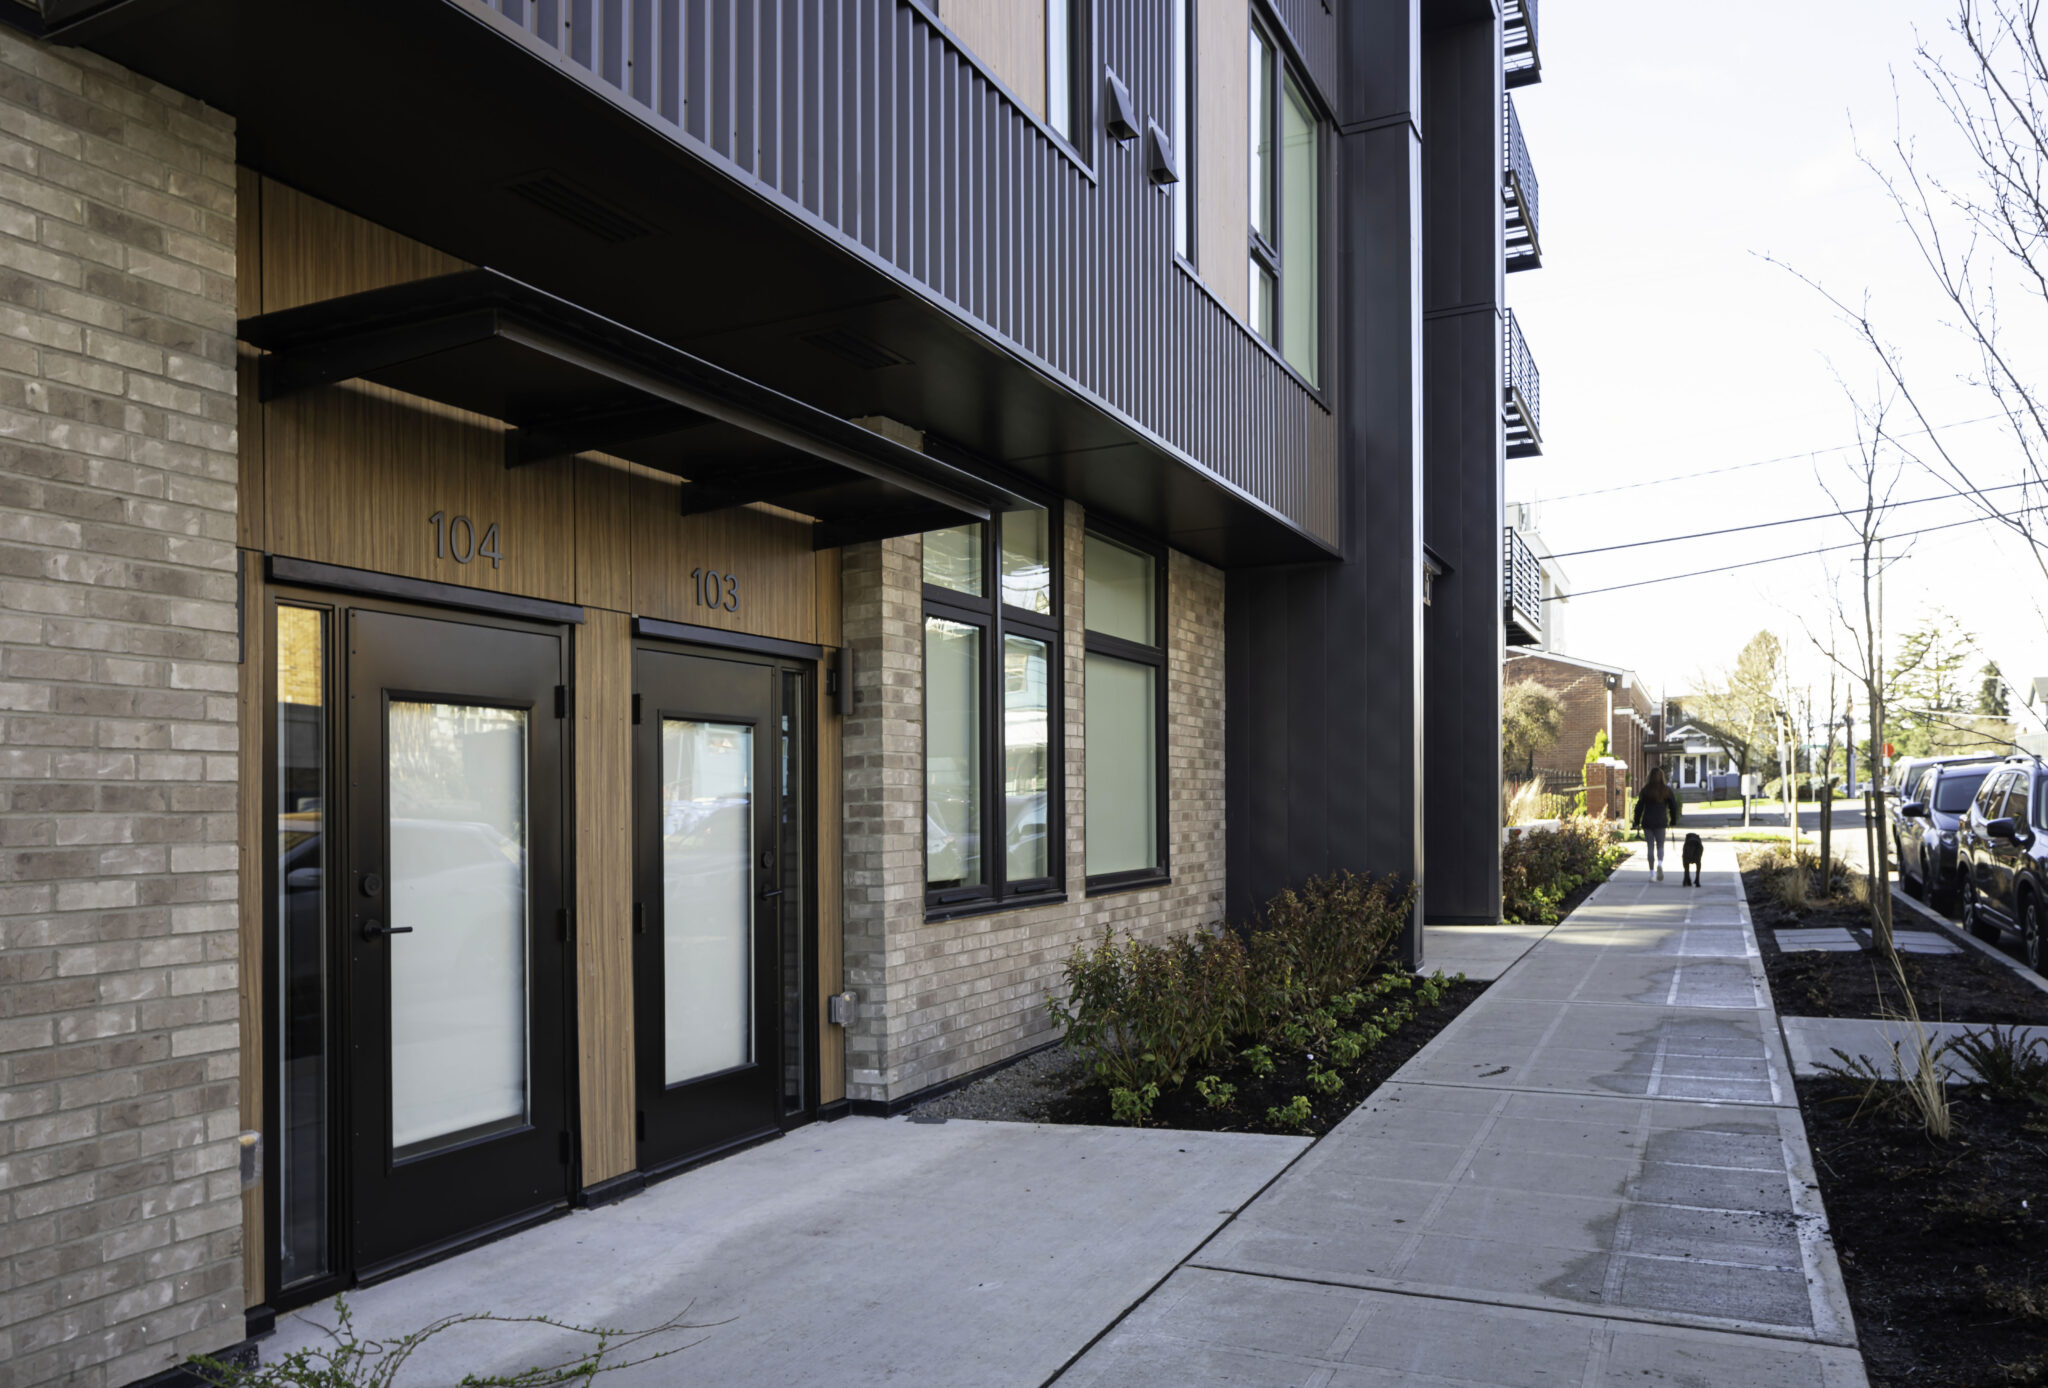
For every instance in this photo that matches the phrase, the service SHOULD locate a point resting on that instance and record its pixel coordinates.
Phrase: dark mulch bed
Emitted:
(1943, 1246)
(1964, 987)
(1184, 1108)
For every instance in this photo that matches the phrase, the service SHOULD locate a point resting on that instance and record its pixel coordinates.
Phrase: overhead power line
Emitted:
(1764, 462)
(1781, 558)
(1795, 520)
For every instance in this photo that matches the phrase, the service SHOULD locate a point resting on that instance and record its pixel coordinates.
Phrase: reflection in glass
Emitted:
(1027, 560)
(1027, 758)
(707, 904)
(1298, 214)
(791, 855)
(952, 558)
(1122, 765)
(301, 1125)
(952, 740)
(457, 786)
(1118, 592)
(1262, 137)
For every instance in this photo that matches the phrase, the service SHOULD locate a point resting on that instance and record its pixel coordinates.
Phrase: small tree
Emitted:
(1740, 708)
(1992, 700)
(1530, 720)
(1593, 755)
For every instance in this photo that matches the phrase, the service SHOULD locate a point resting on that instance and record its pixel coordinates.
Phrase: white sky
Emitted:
(1675, 147)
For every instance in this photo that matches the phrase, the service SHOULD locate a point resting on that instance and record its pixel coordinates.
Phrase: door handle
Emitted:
(776, 892)
(372, 929)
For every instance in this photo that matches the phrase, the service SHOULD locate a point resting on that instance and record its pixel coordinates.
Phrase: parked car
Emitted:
(2002, 857)
(1928, 815)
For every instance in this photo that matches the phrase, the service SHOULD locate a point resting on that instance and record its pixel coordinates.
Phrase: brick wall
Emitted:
(1582, 693)
(119, 1211)
(940, 999)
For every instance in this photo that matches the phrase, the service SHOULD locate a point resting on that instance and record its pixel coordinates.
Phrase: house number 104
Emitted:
(457, 539)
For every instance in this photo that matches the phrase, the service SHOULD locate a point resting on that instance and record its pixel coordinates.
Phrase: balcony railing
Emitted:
(1523, 61)
(1518, 194)
(1521, 403)
(1521, 575)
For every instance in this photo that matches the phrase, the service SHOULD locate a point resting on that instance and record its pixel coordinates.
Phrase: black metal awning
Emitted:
(571, 381)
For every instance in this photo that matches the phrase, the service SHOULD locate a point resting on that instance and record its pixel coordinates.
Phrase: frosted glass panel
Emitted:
(1027, 560)
(1299, 327)
(457, 784)
(1123, 803)
(952, 558)
(1118, 592)
(1027, 758)
(707, 878)
(952, 754)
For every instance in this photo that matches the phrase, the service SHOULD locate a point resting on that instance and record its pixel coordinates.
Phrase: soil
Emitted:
(1964, 987)
(1944, 1247)
(1055, 1087)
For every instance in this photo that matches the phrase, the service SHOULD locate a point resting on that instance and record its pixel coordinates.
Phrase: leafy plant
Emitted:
(1216, 1091)
(1259, 1058)
(353, 1361)
(1133, 1106)
(1326, 1082)
(2009, 1064)
(1295, 1113)
(1538, 870)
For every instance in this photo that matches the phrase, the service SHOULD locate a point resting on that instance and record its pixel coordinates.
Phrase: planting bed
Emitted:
(1055, 1087)
(1943, 1246)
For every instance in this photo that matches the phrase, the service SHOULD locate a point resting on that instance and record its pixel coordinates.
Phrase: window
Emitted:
(1993, 795)
(1285, 267)
(1124, 713)
(991, 673)
(1066, 83)
(1183, 60)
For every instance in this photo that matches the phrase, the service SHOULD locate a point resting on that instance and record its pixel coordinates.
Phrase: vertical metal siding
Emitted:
(865, 115)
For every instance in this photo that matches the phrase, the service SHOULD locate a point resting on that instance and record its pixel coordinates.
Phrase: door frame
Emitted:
(784, 658)
(339, 809)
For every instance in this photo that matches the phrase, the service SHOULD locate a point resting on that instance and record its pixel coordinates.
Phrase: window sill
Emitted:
(934, 914)
(1111, 886)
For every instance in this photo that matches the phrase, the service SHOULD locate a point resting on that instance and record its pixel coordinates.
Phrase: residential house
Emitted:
(1594, 697)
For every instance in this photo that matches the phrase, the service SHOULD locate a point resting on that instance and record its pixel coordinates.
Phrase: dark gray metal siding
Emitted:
(868, 120)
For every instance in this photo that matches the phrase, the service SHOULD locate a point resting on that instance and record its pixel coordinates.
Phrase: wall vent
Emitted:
(861, 351)
(583, 210)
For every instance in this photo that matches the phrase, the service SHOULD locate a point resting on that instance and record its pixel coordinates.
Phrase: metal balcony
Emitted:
(1518, 194)
(1521, 396)
(1521, 576)
(1522, 61)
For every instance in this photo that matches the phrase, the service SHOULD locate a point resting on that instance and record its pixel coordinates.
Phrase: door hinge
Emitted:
(566, 1148)
(636, 710)
(639, 919)
(561, 701)
(640, 1125)
(563, 923)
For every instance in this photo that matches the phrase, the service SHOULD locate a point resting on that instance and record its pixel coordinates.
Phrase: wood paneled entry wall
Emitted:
(361, 477)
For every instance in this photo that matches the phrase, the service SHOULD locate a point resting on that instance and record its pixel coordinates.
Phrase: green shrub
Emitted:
(1295, 1113)
(1216, 1092)
(1147, 1013)
(1539, 870)
(1325, 1081)
(1259, 1058)
(1133, 1106)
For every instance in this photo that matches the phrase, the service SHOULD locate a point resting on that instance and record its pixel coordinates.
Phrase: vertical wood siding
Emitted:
(866, 119)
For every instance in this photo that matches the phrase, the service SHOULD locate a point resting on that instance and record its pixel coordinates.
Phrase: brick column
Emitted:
(120, 1232)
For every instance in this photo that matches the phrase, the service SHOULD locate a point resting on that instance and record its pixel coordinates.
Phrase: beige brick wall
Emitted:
(119, 1214)
(940, 999)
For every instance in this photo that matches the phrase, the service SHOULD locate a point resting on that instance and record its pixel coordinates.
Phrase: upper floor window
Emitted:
(991, 671)
(1286, 168)
(1066, 86)
(1183, 65)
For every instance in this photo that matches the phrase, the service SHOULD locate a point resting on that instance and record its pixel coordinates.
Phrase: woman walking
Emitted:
(1656, 811)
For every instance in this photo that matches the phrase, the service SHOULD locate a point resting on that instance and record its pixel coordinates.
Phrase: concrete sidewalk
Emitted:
(858, 1252)
(1597, 1175)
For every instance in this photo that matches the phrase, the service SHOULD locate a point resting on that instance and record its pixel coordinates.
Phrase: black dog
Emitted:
(1690, 857)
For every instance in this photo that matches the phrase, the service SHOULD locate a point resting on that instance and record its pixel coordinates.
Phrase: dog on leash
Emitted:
(1690, 857)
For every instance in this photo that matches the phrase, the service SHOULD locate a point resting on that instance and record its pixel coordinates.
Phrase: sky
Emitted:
(1677, 147)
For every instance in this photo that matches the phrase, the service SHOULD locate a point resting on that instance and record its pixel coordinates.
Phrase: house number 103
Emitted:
(457, 539)
(715, 589)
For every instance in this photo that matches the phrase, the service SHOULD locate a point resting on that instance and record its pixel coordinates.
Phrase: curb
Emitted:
(1973, 942)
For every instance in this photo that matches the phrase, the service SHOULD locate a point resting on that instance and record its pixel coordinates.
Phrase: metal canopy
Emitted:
(571, 381)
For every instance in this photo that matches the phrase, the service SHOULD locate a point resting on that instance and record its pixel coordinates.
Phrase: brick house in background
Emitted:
(1594, 696)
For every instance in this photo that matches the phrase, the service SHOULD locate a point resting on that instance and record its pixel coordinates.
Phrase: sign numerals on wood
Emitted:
(718, 590)
(458, 539)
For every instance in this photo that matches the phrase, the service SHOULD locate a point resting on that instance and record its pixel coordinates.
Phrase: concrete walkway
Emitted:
(1596, 1176)
(858, 1252)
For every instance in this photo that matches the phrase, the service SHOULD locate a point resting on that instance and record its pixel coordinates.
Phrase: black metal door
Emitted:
(454, 885)
(717, 883)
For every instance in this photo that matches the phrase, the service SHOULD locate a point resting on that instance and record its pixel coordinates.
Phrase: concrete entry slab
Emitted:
(1481, 952)
(1822, 938)
(1813, 1041)
(1207, 1327)
(855, 1252)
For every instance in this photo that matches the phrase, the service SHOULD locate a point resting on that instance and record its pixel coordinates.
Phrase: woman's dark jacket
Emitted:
(1657, 811)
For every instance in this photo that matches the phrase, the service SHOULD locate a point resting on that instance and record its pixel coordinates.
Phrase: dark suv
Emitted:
(1927, 817)
(2002, 859)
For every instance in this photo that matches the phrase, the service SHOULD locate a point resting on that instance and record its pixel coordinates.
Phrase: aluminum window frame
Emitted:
(1263, 248)
(1156, 656)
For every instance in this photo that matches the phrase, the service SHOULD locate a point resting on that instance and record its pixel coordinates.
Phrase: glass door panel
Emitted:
(303, 842)
(457, 796)
(707, 873)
